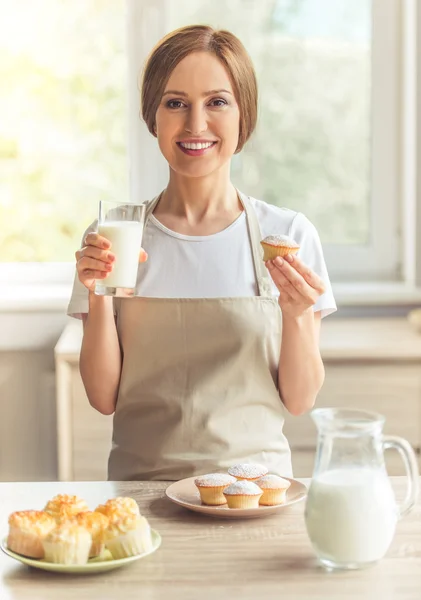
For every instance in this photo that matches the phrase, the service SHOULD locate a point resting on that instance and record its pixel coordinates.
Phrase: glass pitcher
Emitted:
(351, 512)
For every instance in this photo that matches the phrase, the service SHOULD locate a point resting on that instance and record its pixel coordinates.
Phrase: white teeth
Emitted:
(196, 146)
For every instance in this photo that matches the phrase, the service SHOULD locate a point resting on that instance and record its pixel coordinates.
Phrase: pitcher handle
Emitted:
(411, 467)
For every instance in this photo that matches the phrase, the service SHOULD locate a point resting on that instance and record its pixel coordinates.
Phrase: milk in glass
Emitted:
(126, 240)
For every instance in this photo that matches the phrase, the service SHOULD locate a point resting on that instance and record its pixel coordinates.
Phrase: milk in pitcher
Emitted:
(351, 515)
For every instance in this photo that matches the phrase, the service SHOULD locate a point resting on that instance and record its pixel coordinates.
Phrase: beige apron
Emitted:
(198, 389)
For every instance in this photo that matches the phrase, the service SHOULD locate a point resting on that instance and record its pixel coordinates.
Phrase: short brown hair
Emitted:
(201, 38)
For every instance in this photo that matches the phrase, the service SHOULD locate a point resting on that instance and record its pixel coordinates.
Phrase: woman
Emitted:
(200, 367)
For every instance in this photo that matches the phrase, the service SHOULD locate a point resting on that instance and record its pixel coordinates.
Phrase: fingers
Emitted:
(94, 239)
(308, 275)
(297, 280)
(293, 278)
(94, 260)
(143, 256)
(86, 262)
(288, 278)
(285, 286)
(94, 256)
(92, 274)
(94, 252)
(87, 271)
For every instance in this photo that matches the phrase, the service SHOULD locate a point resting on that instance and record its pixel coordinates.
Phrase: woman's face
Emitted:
(198, 119)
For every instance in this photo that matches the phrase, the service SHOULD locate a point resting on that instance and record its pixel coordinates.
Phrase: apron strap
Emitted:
(150, 205)
(262, 278)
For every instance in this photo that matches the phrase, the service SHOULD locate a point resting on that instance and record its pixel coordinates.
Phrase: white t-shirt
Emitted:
(217, 265)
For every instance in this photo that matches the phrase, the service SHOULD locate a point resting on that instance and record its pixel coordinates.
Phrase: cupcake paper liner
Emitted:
(68, 553)
(272, 497)
(271, 252)
(28, 544)
(243, 501)
(130, 544)
(213, 496)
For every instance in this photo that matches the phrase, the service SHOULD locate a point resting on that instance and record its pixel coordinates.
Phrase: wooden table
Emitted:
(204, 558)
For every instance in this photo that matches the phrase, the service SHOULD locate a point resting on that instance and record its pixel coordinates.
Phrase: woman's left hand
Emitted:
(299, 287)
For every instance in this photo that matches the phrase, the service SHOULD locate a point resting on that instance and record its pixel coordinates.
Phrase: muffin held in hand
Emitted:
(247, 471)
(127, 534)
(211, 487)
(278, 245)
(27, 529)
(63, 507)
(243, 494)
(96, 523)
(274, 489)
(68, 544)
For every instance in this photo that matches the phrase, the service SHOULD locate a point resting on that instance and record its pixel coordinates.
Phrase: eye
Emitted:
(219, 102)
(174, 104)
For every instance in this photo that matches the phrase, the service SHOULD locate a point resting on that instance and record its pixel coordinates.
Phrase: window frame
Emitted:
(378, 260)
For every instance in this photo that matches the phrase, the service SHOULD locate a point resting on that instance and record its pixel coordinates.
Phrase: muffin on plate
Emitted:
(68, 543)
(247, 471)
(211, 487)
(63, 507)
(127, 534)
(274, 489)
(27, 528)
(121, 504)
(278, 245)
(96, 523)
(243, 494)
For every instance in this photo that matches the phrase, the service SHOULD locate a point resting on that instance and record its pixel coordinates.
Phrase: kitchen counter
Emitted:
(393, 339)
(374, 364)
(206, 558)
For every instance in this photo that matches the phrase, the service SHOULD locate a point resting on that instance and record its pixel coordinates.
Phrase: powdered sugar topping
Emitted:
(281, 240)
(248, 470)
(246, 488)
(214, 480)
(272, 482)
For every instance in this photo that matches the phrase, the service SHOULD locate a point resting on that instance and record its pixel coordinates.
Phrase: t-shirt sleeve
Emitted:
(79, 299)
(304, 232)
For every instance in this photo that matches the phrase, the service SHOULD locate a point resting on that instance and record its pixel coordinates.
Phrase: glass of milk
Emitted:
(351, 511)
(122, 225)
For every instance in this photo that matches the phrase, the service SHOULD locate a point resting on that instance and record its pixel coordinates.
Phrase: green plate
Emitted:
(99, 564)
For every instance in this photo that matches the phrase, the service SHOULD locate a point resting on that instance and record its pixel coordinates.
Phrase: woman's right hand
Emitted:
(94, 260)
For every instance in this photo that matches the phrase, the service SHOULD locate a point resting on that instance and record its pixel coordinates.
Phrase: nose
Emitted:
(196, 120)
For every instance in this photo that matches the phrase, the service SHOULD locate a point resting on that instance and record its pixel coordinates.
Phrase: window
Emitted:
(63, 145)
(328, 138)
(311, 151)
(328, 143)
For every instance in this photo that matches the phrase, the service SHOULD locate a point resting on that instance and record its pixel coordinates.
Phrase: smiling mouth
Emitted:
(196, 149)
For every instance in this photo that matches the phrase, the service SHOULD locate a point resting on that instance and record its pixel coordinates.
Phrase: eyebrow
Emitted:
(209, 93)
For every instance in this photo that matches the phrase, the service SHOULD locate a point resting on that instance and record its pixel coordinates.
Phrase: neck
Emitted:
(197, 198)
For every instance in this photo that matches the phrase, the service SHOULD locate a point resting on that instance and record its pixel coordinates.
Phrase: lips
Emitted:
(196, 151)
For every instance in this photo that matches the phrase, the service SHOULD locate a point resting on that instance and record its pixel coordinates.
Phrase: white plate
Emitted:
(186, 494)
(102, 563)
